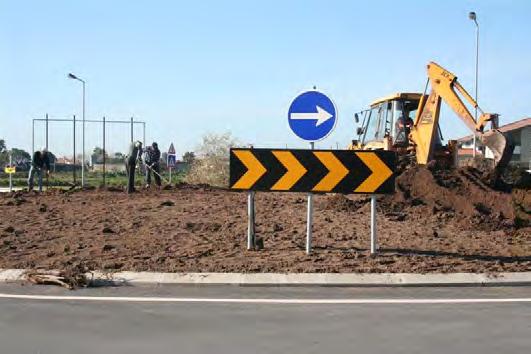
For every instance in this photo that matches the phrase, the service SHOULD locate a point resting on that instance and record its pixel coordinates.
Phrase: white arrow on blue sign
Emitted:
(312, 116)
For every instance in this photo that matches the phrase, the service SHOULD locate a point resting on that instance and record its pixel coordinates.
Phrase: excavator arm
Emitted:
(443, 88)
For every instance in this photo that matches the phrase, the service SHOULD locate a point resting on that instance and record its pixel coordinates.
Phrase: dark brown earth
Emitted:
(436, 222)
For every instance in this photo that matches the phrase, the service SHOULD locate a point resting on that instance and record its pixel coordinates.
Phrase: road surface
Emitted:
(245, 320)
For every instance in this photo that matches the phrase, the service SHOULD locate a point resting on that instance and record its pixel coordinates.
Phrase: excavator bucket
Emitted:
(500, 147)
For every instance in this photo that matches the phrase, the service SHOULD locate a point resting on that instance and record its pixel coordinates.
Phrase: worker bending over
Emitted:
(40, 163)
(152, 161)
(135, 152)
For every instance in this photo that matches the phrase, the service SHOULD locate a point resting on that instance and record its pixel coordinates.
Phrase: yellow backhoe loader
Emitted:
(409, 123)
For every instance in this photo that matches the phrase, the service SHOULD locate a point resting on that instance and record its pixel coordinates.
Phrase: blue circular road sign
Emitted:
(312, 116)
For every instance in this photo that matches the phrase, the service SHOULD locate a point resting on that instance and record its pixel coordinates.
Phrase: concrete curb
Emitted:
(297, 279)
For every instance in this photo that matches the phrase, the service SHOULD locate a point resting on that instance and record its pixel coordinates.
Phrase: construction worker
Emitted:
(402, 129)
(152, 161)
(40, 162)
(135, 152)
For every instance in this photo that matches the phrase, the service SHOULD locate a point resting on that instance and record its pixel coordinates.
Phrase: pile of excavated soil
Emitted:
(457, 194)
(440, 221)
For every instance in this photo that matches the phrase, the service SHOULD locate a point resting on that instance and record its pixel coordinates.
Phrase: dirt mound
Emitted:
(459, 193)
(522, 207)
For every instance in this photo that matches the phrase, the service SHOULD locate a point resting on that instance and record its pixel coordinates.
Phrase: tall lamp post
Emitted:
(74, 77)
(473, 17)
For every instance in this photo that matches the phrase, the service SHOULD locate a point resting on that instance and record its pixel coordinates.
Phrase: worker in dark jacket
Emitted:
(135, 152)
(40, 163)
(152, 161)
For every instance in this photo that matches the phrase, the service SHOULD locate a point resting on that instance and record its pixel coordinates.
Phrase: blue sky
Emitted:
(192, 67)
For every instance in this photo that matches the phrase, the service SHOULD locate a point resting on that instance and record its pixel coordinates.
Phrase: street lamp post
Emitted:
(473, 17)
(74, 77)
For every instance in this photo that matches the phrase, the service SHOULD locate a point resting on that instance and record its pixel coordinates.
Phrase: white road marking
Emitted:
(262, 301)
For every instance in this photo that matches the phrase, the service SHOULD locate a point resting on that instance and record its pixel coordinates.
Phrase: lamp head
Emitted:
(72, 76)
(472, 16)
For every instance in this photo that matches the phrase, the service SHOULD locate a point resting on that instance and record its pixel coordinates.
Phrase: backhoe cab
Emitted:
(387, 123)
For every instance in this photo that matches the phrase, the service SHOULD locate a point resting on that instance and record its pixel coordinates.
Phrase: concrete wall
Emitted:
(109, 167)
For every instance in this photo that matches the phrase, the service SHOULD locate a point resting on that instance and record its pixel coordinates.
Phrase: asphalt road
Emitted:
(55, 325)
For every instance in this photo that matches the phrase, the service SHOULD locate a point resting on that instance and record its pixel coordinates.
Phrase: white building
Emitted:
(518, 132)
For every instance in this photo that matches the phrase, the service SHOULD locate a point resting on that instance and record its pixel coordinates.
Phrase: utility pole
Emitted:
(74, 77)
(473, 17)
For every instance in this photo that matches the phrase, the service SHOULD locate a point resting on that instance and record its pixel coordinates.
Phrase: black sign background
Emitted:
(316, 171)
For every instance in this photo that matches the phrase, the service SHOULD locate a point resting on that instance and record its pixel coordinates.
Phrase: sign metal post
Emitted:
(250, 218)
(309, 217)
(312, 116)
(374, 240)
(250, 225)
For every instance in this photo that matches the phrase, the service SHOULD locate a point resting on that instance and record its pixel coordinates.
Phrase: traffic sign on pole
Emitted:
(320, 171)
(10, 169)
(171, 150)
(312, 116)
(171, 161)
(172, 158)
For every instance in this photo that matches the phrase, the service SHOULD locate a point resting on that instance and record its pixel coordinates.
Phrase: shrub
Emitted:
(211, 166)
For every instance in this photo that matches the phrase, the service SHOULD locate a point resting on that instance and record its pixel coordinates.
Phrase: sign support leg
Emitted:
(250, 226)
(309, 224)
(170, 175)
(374, 240)
(309, 218)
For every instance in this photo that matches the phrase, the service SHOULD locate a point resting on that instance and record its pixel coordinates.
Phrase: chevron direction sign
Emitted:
(319, 171)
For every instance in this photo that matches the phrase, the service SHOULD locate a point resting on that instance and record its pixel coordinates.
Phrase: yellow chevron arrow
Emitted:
(295, 170)
(380, 172)
(255, 169)
(336, 171)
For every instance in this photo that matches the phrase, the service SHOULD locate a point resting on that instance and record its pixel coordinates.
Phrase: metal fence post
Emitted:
(83, 141)
(46, 131)
(144, 134)
(47, 179)
(74, 131)
(132, 137)
(32, 137)
(103, 151)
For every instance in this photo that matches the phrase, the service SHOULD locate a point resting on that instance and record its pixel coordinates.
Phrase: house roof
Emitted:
(467, 152)
(519, 124)
(64, 160)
